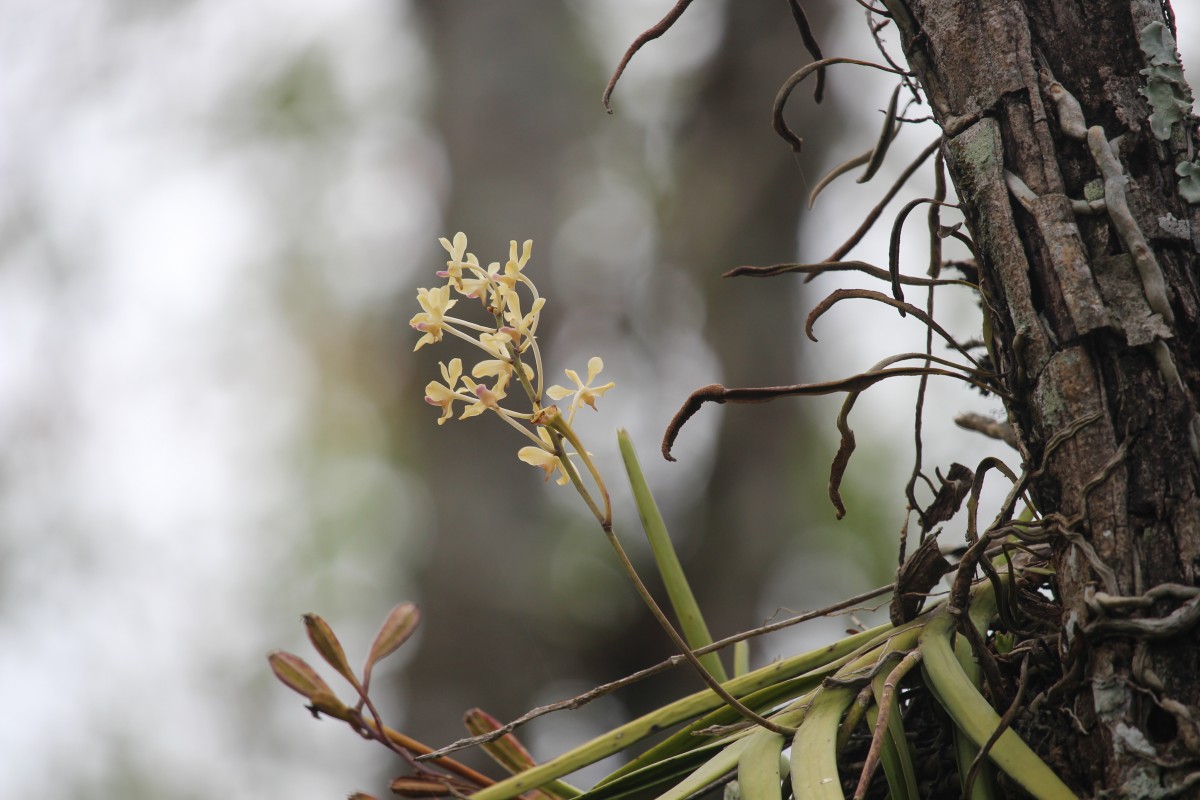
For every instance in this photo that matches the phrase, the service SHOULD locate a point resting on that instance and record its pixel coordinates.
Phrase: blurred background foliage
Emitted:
(213, 221)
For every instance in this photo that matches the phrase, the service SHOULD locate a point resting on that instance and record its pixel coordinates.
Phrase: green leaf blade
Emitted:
(683, 601)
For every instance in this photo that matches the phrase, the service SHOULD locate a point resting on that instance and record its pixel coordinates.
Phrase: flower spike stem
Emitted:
(558, 425)
(686, 651)
(515, 357)
(683, 601)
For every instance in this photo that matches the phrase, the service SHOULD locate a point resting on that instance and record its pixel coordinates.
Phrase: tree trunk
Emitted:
(1101, 364)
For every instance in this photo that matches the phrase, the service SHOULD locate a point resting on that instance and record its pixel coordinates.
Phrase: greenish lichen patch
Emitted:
(981, 148)
(1168, 93)
(1189, 181)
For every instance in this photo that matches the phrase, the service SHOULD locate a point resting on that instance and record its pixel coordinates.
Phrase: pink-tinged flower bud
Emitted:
(295, 673)
(327, 644)
(399, 624)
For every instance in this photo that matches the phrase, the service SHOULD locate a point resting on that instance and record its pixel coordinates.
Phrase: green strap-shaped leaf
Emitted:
(966, 750)
(693, 705)
(652, 779)
(821, 663)
(758, 768)
(741, 658)
(976, 718)
(762, 701)
(683, 601)
(814, 748)
(720, 765)
(897, 755)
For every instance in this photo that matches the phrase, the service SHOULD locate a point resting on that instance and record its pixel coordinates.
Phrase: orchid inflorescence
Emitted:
(510, 348)
(507, 343)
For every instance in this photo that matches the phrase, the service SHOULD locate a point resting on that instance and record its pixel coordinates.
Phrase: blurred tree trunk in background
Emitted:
(733, 196)
(1076, 341)
(740, 196)
(508, 103)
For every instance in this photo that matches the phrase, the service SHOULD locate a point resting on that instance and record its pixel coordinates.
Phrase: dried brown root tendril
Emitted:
(648, 35)
(989, 427)
(785, 91)
(672, 16)
(894, 241)
(980, 546)
(821, 267)
(883, 12)
(989, 463)
(1006, 722)
(877, 210)
(867, 294)
(890, 127)
(1182, 620)
(937, 231)
(841, 459)
(810, 44)
(835, 173)
(887, 701)
(717, 393)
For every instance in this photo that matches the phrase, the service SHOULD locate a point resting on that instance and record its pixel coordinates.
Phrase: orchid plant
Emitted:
(813, 700)
(917, 698)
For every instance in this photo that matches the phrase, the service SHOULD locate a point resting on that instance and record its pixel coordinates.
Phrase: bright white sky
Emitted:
(151, 391)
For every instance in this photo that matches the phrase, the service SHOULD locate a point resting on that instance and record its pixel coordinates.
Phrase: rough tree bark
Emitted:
(1088, 346)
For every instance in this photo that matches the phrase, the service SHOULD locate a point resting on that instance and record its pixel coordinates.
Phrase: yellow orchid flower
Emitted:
(435, 302)
(584, 392)
(544, 457)
(501, 366)
(443, 395)
(454, 267)
(512, 269)
(486, 397)
(521, 328)
(483, 282)
(501, 370)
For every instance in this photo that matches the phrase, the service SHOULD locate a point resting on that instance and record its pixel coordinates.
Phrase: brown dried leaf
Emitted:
(955, 486)
(916, 578)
